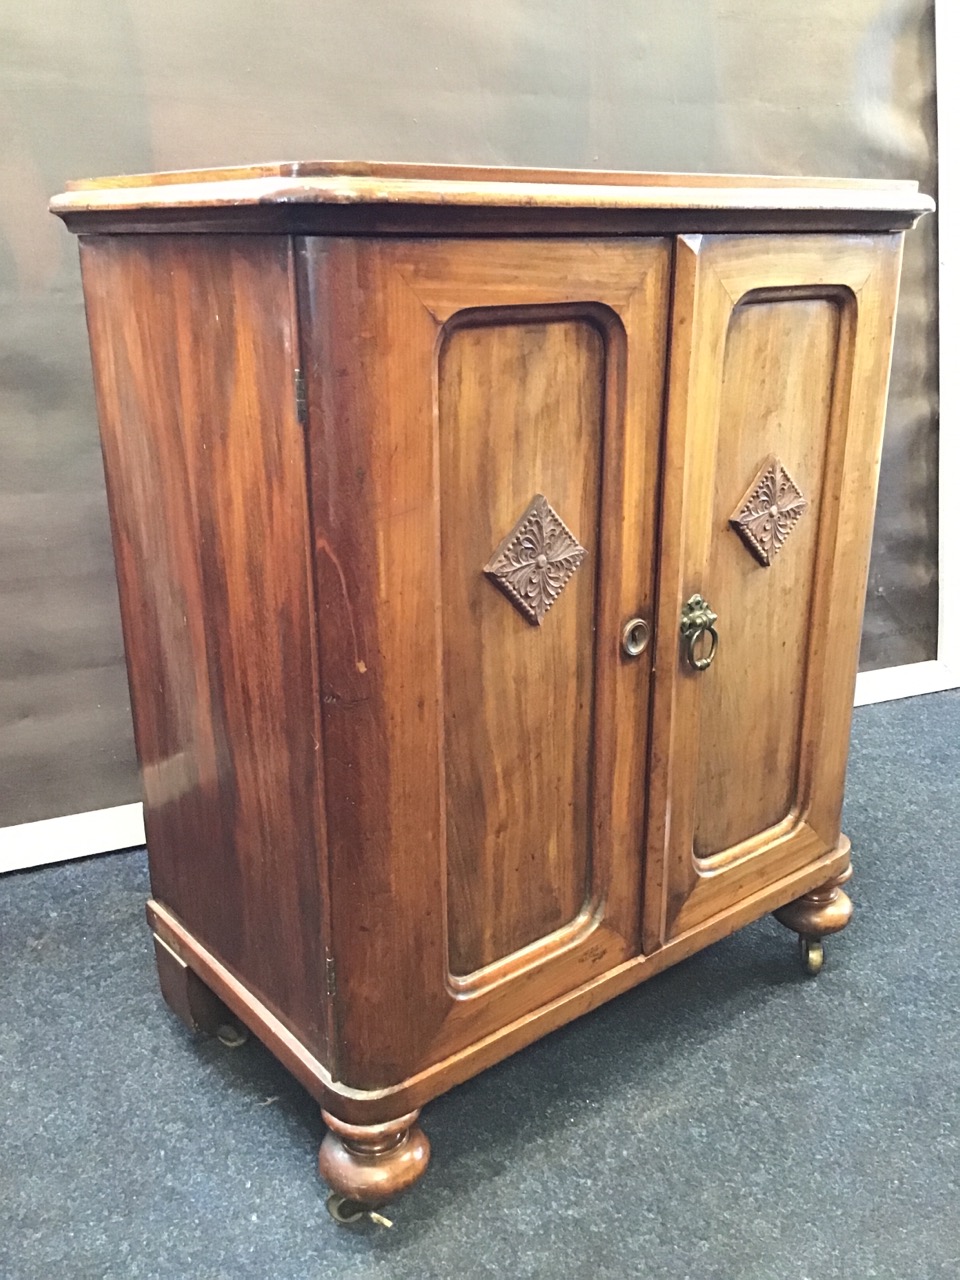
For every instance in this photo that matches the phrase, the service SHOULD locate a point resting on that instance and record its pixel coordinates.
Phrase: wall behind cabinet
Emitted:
(830, 86)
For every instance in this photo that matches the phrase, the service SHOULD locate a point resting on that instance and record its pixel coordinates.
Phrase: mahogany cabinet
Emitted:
(492, 548)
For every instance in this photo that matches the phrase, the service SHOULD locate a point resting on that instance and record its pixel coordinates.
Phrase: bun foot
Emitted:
(822, 911)
(367, 1165)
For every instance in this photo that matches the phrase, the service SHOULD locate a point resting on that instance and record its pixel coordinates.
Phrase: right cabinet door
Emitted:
(780, 353)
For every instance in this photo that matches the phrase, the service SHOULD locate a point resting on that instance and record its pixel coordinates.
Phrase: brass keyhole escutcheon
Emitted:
(696, 621)
(635, 638)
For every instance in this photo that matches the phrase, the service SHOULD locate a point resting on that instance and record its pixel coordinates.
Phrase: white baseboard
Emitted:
(905, 682)
(77, 835)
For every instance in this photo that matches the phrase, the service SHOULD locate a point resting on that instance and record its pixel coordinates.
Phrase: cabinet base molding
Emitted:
(368, 1108)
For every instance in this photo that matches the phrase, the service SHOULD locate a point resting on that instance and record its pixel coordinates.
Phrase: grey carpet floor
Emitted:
(729, 1119)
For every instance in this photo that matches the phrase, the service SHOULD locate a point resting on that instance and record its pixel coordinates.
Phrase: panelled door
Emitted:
(485, 423)
(780, 352)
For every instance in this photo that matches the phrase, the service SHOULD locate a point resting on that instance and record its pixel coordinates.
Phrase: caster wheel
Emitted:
(232, 1035)
(343, 1210)
(811, 955)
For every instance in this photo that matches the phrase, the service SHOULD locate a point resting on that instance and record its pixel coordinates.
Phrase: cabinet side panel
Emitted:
(194, 343)
(520, 413)
(774, 415)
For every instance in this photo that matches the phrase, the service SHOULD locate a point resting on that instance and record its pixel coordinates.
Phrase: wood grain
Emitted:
(383, 1105)
(520, 413)
(399, 830)
(775, 399)
(187, 995)
(194, 346)
(374, 318)
(329, 198)
(478, 174)
(789, 391)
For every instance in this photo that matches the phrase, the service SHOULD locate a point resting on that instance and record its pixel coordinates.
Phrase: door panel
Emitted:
(779, 362)
(775, 399)
(481, 414)
(520, 413)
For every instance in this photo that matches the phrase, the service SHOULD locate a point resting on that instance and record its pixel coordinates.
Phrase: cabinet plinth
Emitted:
(492, 550)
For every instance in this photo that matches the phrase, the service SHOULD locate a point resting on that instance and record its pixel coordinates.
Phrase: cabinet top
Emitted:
(379, 198)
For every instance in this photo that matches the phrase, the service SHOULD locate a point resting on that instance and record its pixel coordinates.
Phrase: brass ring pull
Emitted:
(635, 638)
(703, 662)
(696, 621)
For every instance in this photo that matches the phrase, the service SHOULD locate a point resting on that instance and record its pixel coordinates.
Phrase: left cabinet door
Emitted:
(484, 423)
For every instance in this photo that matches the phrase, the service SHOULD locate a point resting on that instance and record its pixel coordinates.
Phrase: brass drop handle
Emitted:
(635, 637)
(696, 621)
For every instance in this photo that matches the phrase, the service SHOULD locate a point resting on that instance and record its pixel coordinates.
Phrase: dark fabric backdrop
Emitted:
(103, 86)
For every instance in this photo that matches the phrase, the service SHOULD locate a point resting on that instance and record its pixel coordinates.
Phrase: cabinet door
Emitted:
(780, 352)
(484, 433)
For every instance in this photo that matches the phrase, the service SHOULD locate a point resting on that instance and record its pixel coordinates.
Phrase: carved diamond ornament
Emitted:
(536, 560)
(770, 511)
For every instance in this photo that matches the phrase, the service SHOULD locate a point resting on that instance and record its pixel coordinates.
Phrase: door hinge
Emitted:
(331, 975)
(300, 394)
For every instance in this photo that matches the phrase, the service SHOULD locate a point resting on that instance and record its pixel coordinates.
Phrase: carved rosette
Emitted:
(536, 560)
(769, 513)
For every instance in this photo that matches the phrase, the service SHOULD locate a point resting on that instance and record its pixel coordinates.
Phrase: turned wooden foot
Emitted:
(370, 1164)
(822, 911)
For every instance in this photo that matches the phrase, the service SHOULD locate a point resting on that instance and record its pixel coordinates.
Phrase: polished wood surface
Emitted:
(370, 1164)
(824, 910)
(396, 585)
(382, 1105)
(383, 507)
(187, 995)
(364, 198)
(777, 388)
(479, 174)
(813, 318)
(194, 343)
(520, 413)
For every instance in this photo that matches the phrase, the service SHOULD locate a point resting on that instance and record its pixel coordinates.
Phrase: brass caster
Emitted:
(232, 1035)
(811, 955)
(343, 1210)
(346, 1211)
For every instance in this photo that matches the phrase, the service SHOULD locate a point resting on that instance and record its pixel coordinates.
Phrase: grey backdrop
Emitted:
(825, 87)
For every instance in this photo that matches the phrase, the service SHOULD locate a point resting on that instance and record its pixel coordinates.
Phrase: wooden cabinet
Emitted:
(492, 549)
